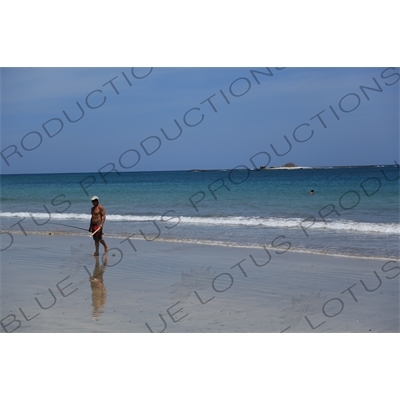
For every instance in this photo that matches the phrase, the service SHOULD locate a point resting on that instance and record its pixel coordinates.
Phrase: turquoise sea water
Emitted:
(354, 211)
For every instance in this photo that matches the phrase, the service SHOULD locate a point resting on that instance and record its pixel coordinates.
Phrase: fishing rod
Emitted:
(83, 229)
(77, 227)
(71, 226)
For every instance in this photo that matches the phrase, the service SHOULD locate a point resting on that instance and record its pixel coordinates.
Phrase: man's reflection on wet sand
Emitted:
(99, 293)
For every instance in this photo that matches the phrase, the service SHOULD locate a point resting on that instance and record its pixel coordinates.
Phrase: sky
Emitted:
(156, 119)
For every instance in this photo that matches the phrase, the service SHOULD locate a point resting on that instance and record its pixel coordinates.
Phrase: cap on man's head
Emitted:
(94, 198)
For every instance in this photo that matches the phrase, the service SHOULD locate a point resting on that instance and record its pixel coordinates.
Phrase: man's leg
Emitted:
(105, 246)
(96, 245)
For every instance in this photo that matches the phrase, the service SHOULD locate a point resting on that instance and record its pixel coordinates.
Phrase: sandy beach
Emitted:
(50, 283)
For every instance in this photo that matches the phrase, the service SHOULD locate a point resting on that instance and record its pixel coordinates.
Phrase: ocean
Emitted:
(354, 211)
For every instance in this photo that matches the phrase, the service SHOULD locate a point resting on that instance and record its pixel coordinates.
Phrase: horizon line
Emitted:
(211, 169)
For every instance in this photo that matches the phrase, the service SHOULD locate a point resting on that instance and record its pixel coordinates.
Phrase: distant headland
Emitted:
(290, 165)
(285, 166)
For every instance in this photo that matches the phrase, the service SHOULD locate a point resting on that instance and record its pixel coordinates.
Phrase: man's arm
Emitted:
(103, 216)
(90, 223)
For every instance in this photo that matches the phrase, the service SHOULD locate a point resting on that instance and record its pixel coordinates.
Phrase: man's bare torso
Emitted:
(97, 214)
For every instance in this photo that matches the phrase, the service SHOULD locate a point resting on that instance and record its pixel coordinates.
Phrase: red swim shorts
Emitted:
(99, 234)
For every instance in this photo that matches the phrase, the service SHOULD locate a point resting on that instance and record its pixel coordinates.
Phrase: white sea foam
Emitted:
(259, 222)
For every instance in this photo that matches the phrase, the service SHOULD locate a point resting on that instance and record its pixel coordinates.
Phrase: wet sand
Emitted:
(51, 283)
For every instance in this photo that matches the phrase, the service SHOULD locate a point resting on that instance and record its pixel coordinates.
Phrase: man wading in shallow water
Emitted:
(96, 222)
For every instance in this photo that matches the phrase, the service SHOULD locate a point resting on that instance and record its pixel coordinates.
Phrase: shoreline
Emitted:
(204, 243)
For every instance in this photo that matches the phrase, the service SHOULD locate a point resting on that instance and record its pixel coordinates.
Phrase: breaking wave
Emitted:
(259, 222)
